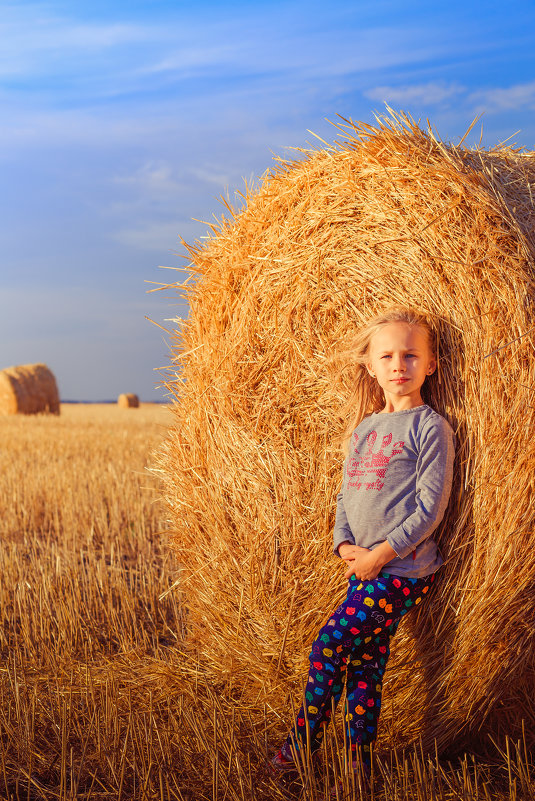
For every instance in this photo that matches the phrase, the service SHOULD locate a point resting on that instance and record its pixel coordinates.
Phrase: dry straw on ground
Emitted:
(28, 389)
(96, 700)
(389, 215)
(128, 400)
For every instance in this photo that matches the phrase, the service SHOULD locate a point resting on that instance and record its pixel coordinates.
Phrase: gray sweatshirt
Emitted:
(397, 481)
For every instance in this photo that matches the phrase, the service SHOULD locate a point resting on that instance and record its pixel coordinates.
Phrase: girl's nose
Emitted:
(399, 364)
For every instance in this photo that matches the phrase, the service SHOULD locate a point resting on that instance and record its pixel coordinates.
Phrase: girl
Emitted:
(396, 484)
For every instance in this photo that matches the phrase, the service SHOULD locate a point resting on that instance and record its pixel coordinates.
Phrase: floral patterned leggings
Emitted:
(354, 644)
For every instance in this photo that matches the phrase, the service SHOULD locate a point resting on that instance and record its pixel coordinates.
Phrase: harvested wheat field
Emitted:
(28, 389)
(389, 214)
(98, 700)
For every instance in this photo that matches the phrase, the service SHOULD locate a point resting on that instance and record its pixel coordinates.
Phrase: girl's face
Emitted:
(400, 359)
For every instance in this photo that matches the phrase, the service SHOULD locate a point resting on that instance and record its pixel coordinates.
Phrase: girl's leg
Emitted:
(349, 636)
(363, 698)
(368, 660)
(329, 656)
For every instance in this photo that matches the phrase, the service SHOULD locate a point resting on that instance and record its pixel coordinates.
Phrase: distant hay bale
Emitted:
(128, 400)
(389, 215)
(28, 389)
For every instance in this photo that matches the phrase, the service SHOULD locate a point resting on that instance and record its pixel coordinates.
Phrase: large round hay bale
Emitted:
(128, 400)
(389, 215)
(28, 389)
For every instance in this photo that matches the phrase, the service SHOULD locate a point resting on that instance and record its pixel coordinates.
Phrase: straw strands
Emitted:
(390, 214)
(97, 702)
(28, 389)
(128, 401)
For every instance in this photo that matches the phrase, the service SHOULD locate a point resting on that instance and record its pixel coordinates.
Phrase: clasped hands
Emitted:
(363, 563)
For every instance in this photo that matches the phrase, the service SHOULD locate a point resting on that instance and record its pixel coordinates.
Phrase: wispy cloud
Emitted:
(155, 178)
(426, 94)
(96, 343)
(33, 40)
(106, 58)
(157, 202)
(123, 121)
(516, 97)
(154, 236)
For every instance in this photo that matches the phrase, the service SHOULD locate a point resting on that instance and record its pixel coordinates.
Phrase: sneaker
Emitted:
(279, 764)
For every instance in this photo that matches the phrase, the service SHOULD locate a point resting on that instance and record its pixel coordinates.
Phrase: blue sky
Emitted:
(123, 122)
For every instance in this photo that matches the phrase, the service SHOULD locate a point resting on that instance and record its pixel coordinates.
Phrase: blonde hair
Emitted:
(366, 395)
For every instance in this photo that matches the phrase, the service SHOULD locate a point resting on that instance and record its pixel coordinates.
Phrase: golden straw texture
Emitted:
(251, 467)
(28, 389)
(128, 400)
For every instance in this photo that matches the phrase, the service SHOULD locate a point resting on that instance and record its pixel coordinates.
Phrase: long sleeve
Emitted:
(342, 531)
(434, 471)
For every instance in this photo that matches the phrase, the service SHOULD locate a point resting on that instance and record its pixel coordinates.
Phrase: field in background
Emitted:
(98, 699)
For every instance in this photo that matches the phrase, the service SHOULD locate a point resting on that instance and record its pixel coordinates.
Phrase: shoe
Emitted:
(279, 764)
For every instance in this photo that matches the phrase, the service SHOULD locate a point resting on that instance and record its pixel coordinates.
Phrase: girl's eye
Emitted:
(386, 356)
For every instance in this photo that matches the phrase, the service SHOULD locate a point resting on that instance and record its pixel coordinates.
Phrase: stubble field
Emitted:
(99, 698)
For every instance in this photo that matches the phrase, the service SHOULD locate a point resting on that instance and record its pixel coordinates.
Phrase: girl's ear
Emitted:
(369, 369)
(432, 366)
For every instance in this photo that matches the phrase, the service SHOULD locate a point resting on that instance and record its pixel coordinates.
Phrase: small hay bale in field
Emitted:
(128, 401)
(28, 389)
(389, 215)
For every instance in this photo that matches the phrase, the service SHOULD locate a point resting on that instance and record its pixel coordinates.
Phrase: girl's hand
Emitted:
(363, 563)
(348, 551)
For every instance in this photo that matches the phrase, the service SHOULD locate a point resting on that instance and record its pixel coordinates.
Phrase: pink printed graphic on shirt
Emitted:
(369, 469)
